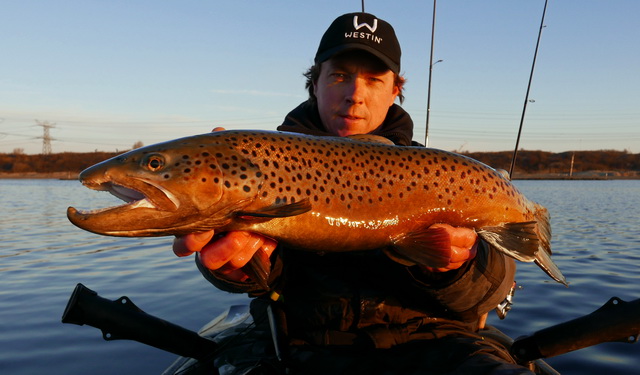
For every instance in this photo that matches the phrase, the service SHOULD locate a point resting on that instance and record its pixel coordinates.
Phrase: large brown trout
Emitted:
(316, 194)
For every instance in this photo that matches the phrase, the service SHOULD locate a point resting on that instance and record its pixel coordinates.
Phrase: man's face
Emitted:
(354, 92)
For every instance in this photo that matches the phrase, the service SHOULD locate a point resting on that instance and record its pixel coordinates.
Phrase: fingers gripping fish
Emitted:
(315, 194)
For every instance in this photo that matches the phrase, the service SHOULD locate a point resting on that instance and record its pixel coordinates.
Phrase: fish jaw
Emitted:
(145, 202)
(134, 190)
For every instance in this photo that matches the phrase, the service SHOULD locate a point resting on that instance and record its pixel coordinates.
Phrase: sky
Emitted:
(107, 74)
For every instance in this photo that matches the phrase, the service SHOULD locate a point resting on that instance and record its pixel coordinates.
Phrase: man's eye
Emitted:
(339, 76)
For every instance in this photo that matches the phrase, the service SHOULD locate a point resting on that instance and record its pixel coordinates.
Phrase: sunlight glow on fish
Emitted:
(315, 194)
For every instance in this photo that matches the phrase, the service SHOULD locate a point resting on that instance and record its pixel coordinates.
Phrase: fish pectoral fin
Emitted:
(429, 247)
(518, 240)
(278, 210)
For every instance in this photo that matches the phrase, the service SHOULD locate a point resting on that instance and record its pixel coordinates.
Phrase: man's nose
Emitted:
(356, 91)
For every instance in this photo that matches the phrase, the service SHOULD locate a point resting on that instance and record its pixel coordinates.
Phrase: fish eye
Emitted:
(155, 162)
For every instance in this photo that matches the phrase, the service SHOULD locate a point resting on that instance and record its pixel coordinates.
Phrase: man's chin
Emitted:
(352, 127)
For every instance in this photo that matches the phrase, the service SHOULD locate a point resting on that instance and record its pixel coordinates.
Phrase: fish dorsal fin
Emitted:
(504, 173)
(370, 138)
(278, 210)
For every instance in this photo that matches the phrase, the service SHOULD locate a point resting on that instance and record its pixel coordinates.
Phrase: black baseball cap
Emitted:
(362, 31)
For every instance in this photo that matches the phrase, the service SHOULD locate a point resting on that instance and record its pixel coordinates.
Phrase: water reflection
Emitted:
(43, 257)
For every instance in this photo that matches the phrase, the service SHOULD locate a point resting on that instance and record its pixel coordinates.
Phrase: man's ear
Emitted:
(396, 92)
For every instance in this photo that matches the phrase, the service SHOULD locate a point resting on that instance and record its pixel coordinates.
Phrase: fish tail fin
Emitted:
(544, 261)
(527, 242)
(543, 256)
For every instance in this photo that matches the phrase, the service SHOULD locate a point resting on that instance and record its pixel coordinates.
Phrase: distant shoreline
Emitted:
(594, 175)
(40, 176)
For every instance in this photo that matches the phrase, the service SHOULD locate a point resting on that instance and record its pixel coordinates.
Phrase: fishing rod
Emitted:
(526, 97)
(431, 64)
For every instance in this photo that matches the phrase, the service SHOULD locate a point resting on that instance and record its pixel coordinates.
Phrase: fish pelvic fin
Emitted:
(426, 246)
(278, 210)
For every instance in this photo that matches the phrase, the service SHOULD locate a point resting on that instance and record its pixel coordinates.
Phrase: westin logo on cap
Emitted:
(364, 24)
(363, 35)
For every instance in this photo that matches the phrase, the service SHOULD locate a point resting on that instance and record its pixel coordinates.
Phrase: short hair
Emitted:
(313, 73)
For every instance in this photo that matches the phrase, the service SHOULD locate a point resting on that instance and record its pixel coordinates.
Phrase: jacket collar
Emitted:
(397, 126)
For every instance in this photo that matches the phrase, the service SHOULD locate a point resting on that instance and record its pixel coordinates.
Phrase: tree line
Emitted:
(548, 162)
(529, 162)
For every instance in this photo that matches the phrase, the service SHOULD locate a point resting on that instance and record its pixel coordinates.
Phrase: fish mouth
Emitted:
(137, 194)
(146, 205)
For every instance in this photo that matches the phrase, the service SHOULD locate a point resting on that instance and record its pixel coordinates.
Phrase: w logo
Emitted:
(364, 24)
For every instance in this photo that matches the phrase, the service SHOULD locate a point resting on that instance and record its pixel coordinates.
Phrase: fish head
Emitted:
(171, 188)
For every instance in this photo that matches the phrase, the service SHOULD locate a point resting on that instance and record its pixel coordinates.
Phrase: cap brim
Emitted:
(326, 55)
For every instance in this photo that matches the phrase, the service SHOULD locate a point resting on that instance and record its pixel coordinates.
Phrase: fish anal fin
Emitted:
(278, 210)
(427, 246)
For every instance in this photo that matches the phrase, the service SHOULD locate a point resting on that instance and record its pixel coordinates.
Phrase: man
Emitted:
(360, 312)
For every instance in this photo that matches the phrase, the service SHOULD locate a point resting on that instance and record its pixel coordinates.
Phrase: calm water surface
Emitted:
(42, 257)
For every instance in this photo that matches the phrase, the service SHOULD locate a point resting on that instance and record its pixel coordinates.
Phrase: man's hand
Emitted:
(227, 254)
(464, 246)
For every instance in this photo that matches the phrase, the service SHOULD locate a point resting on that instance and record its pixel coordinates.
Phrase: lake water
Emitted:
(42, 257)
